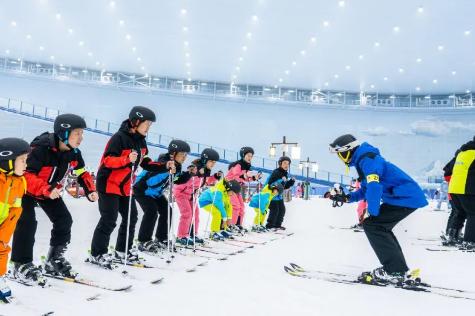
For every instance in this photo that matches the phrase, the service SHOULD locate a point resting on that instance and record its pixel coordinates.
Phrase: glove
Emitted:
(290, 183)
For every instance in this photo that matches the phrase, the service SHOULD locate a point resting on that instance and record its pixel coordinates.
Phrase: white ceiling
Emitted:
(372, 45)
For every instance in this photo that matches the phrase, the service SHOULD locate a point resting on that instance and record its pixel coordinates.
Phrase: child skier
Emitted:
(186, 195)
(277, 206)
(240, 171)
(53, 156)
(400, 194)
(216, 200)
(260, 202)
(13, 155)
(149, 189)
(124, 153)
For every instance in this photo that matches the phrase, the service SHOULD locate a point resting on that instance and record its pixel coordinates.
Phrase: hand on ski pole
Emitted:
(171, 166)
(133, 156)
(93, 196)
(55, 193)
(337, 195)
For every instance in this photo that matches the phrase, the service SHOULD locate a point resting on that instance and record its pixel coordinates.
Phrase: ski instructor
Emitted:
(380, 181)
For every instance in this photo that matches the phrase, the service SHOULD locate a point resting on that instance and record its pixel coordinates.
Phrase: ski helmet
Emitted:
(344, 143)
(140, 114)
(209, 154)
(344, 146)
(277, 186)
(64, 124)
(177, 146)
(10, 149)
(245, 150)
(284, 158)
(232, 185)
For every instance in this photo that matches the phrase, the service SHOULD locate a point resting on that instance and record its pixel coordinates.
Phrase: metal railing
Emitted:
(232, 91)
(161, 141)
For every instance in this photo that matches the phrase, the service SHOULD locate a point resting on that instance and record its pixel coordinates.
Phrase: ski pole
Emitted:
(129, 209)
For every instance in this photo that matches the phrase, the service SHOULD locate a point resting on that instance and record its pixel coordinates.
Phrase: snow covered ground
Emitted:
(253, 282)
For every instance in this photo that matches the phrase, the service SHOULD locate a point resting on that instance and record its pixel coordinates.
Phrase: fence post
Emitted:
(46, 113)
(8, 104)
(108, 127)
(21, 106)
(95, 125)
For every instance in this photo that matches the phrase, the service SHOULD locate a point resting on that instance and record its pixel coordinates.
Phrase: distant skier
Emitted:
(13, 155)
(462, 189)
(53, 157)
(380, 181)
(240, 171)
(260, 202)
(456, 221)
(277, 206)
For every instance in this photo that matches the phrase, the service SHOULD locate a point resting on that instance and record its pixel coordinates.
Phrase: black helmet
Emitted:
(344, 143)
(65, 123)
(209, 154)
(232, 185)
(177, 146)
(277, 186)
(140, 114)
(10, 149)
(284, 158)
(245, 150)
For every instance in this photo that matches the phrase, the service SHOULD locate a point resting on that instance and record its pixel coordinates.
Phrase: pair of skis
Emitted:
(415, 283)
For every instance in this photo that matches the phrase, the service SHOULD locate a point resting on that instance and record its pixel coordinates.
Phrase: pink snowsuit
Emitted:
(184, 199)
(362, 205)
(237, 202)
(298, 191)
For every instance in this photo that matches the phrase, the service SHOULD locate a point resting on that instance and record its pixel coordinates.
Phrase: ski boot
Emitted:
(152, 246)
(56, 264)
(185, 241)
(380, 276)
(467, 246)
(132, 256)
(256, 228)
(242, 230)
(451, 238)
(216, 236)
(28, 273)
(198, 240)
(103, 261)
(226, 234)
(5, 291)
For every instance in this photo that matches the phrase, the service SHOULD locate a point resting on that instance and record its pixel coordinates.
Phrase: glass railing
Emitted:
(266, 165)
(234, 91)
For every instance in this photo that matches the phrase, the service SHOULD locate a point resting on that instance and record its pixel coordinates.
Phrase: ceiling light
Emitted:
(287, 72)
(58, 16)
(139, 59)
(467, 32)
(294, 63)
(418, 60)
(28, 37)
(187, 55)
(89, 54)
(42, 48)
(418, 88)
(81, 43)
(7, 52)
(372, 86)
(347, 67)
(183, 11)
(467, 91)
(249, 35)
(121, 22)
(128, 37)
(112, 4)
(51, 57)
(341, 4)
(434, 81)
(186, 43)
(377, 44)
(303, 52)
(313, 40)
(185, 29)
(237, 68)
(188, 64)
(361, 57)
(281, 80)
(326, 23)
(13, 23)
(440, 47)
(143, 68)
(326, 84)
(385, 78)
(134, 49)
(97, 63)
(454, 73)
(276, 86)
(401, 70)
(420, 9)
(336, 76)
(244, 48)
(241, 59)
(70, 31)
(255, 18)
(396, 29)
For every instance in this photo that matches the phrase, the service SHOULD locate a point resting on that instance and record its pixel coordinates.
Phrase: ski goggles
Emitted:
(340, 149)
